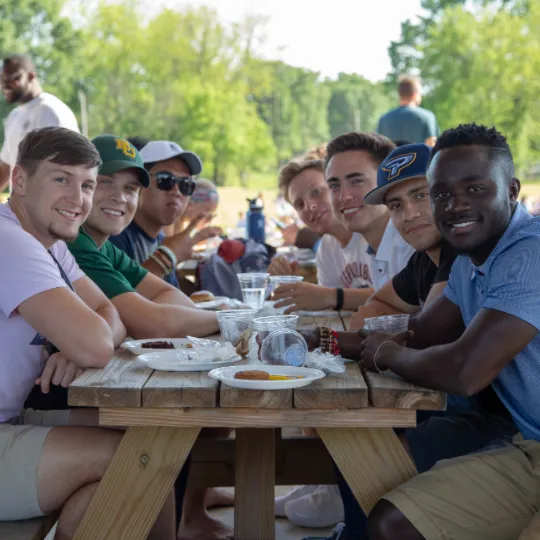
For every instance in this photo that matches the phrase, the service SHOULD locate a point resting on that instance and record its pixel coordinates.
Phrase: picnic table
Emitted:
(165, 411)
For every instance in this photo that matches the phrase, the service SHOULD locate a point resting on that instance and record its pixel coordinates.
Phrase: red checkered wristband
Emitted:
(328, 341)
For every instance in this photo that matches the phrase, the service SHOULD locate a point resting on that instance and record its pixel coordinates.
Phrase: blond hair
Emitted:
(290, 171)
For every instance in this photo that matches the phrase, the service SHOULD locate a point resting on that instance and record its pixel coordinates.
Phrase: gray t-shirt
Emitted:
(412, 124)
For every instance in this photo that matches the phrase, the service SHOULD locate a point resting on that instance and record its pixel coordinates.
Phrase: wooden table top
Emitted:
(128, 383)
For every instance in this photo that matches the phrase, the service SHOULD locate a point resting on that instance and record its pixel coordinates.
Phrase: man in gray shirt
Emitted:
(409, 121)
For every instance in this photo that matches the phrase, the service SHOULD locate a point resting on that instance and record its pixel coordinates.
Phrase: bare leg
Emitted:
(196, 523)
(386, 522)
(216, 497)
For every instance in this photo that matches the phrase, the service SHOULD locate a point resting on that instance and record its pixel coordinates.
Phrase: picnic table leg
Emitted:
(372, 461)
(137, 483)
(255, 484)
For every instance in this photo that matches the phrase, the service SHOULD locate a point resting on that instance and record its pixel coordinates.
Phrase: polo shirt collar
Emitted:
(386, 247)
(519, 217)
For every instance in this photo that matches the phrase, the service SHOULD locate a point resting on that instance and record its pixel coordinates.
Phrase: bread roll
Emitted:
(202, 296)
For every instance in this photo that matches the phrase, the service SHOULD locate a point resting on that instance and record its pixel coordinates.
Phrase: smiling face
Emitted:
(164, 207)
(351, 176)
(410, 211)
(16, 82)
(472, 198)
(310, 197)
(115, 204)
(56, 198)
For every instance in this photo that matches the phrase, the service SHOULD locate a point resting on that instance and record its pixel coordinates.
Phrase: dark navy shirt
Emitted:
(139, 246)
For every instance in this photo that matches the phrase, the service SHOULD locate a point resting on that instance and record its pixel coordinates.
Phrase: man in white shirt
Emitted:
(342, 260)
(36, 109)
(351, 173)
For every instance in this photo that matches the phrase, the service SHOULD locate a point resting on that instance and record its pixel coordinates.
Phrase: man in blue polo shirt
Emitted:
(483, 331)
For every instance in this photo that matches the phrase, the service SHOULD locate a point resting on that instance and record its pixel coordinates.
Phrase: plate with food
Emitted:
(144, 346)
(206, 300)
(196, 359)
(265, 377)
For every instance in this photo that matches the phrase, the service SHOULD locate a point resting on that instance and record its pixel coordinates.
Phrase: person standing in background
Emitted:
(409, 121)
(36, 109)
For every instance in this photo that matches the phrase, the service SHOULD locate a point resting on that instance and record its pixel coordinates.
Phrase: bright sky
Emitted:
(341, 35)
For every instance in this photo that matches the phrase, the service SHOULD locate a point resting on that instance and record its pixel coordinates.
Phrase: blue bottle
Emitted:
(255, 221)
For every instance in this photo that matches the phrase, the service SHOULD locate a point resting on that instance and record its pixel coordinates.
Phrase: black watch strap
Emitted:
(340, 299)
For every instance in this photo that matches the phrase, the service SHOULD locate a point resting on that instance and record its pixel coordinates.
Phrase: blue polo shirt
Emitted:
(139, 246)
(509, 282)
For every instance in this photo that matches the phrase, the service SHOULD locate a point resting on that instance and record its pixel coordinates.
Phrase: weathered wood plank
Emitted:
(119, 384)
(182, 389)
(245, 417)
(137, 483)
(254, 492)
(372, 461)
(348, 391)
(387, 390)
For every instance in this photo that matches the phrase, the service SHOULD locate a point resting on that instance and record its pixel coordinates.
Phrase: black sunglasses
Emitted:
(166, 181)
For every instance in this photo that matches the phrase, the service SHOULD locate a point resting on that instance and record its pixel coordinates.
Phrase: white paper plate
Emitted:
(226, 376)
(170, 361)
(135, 347)
(213, 304)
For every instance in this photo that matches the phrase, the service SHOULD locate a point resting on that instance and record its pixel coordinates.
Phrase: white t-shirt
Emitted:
(43, 111)
(391, 257)
(346, 268)
(26, 270)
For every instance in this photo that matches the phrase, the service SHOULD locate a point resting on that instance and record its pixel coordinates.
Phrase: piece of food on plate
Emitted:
(253, 375)
(157, 345)
(202, 296)
(283, 377)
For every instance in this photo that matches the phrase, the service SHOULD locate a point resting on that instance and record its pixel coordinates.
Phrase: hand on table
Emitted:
(182, 243)
(372, 347)
(280, 266)
(304, 296)
(59, 371)
(312, 338)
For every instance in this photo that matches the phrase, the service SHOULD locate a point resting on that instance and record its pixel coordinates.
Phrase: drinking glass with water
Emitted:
(253, 287)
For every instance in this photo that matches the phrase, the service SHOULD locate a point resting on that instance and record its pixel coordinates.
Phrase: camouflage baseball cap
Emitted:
(118, 154)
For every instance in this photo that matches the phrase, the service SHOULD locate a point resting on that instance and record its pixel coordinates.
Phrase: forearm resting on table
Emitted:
(353, 298)
(112, 317)
(173, 297)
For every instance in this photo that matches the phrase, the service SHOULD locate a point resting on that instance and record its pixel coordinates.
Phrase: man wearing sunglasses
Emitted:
(148, 306)
(171, 171)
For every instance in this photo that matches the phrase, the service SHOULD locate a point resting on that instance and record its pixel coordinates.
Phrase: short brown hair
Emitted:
(57, 145)
(377, 146)
(290, 171)
(408, 86)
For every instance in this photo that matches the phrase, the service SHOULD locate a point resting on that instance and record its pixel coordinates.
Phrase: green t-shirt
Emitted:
(108, 267)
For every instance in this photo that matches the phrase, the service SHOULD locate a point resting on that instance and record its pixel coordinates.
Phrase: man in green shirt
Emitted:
(148, 306)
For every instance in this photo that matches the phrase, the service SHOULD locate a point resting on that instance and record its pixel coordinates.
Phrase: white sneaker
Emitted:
(295, 493)
(322, 508)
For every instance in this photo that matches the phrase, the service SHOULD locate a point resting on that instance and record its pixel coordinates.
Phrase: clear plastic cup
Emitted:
(266, 325)
(284, 347)
(234, 322)
(389, 323)
(280, 280)
(253, 287)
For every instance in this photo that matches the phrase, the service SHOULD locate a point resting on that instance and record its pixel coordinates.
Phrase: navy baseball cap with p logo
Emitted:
(404, 163)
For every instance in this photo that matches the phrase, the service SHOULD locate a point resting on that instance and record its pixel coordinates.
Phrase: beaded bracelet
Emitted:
(159, 263)
(328, 341)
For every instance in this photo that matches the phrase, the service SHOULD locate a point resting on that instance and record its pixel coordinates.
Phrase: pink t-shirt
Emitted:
(26, 269)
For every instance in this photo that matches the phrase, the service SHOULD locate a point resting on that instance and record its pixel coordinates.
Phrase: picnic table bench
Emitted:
(164, 413)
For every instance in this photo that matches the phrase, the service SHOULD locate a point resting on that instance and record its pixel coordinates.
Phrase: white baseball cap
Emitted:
(156, 151)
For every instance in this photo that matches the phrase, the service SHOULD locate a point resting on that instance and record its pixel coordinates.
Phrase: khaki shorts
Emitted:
(21, 442)
(487, 496)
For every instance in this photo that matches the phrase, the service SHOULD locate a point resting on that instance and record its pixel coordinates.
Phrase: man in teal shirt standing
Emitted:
(409, 121)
